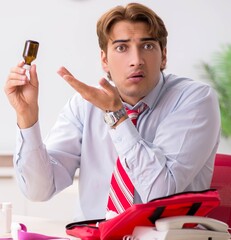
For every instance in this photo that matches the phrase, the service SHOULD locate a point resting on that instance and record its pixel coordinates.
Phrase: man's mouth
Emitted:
(136, 77)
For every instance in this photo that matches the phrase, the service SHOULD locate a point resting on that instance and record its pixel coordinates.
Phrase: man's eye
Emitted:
(148, 46)
(121, 48)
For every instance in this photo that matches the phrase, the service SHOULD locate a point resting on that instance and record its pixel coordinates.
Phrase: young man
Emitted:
(171, 149)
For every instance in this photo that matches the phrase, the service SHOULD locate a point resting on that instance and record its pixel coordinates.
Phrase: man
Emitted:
(171, 149)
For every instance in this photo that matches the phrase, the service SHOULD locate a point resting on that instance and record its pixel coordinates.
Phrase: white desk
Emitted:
(43, 226)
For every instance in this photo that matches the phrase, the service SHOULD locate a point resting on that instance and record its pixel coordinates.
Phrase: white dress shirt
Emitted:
(171, 149)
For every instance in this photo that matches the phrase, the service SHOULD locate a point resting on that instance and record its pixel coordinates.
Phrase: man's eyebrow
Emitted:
(120, 41)
(128, 40)
(149, 39)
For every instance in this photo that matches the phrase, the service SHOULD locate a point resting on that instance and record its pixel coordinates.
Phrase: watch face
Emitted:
(109, 119)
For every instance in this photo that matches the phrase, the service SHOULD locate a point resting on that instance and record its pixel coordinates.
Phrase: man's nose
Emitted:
(136, 58)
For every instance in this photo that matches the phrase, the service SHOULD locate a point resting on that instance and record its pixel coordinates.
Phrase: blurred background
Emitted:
(66, 31)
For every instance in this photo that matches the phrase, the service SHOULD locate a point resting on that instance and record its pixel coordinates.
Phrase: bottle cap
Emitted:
(26, 66)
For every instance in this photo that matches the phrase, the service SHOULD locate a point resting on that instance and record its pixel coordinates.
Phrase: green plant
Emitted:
(219, 74)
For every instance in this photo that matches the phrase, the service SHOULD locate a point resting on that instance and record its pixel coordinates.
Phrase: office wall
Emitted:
(66, 32)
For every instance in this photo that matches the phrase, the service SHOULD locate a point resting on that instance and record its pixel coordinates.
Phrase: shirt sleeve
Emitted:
(180, 157)
(31, 162)
(45, 168)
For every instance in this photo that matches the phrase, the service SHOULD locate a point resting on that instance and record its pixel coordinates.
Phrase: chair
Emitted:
(222, 182)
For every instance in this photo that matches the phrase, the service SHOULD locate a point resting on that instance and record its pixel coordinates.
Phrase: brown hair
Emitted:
(133, 12)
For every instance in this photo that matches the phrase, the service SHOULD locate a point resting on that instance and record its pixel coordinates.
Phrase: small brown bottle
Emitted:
(30, 53)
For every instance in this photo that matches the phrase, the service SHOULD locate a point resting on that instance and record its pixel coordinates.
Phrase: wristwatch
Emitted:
(111, 118)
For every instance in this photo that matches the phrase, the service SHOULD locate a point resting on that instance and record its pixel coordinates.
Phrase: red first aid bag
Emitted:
(86, 230)
(187, 203)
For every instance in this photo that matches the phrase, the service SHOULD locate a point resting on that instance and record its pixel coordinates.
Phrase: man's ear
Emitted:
(104, 61)
(164, 59)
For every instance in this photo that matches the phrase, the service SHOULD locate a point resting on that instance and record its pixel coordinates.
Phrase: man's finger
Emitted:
(79, 86)
(75, 83)
(33, 76)
(20, 64)
(63, 71)
(106, 85)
